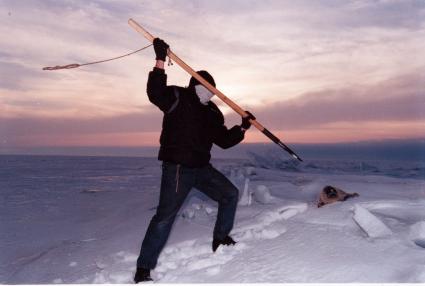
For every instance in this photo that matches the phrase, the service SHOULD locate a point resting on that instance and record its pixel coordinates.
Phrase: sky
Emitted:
(310, 71)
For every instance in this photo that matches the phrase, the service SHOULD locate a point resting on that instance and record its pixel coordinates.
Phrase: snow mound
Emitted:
(417, 233)
(268, 224)
(257, 233)
(271, 160)
(196, 208)
(282, 213)
(237, 177)
(193, 256)
(369, 223)
(246, 198)
(117, 268)
(262, 195)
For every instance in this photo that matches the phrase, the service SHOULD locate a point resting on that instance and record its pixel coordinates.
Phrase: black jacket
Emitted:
(189, 128)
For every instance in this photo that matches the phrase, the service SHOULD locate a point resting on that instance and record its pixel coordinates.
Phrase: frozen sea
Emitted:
(81, 219)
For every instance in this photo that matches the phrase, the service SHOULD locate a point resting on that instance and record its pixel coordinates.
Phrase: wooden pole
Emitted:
(214, 90)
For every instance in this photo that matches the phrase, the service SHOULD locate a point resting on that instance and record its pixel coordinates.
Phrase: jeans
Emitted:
(176, 183)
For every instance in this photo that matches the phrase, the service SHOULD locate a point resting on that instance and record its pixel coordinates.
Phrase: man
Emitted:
(191, 124)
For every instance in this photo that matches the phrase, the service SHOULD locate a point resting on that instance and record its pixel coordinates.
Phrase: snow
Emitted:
(369, 223)
(246, 198)
(417, 233)
(262, 195)
(82, 220)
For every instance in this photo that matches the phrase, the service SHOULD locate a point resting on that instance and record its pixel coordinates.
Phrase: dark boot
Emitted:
(226, 241)
(142, 275)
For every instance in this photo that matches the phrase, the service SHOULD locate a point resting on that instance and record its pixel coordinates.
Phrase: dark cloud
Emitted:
(399, 99)
(133, 122)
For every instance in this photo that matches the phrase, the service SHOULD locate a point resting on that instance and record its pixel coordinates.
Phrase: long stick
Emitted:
(214, 90)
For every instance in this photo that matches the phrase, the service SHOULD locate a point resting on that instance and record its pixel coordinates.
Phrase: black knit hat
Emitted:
(193, 81)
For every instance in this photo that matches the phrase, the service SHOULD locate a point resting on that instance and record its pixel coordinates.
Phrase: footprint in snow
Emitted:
(194, 255)
(185, 258)
(117, 268)
(268, 225)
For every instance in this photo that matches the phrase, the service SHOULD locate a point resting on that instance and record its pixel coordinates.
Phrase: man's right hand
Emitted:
(160, 48)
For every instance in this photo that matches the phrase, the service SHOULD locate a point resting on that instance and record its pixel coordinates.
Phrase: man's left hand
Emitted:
(245, 120)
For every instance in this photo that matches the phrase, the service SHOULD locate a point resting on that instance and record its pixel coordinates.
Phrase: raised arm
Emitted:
(157, 90)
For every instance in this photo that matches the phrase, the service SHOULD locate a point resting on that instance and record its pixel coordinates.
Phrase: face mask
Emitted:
(203, 93)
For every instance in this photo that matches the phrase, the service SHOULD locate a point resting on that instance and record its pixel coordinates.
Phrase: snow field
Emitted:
(68, 235)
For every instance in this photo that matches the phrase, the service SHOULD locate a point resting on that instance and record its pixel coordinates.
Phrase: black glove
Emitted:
(245, 120)
(160, 48)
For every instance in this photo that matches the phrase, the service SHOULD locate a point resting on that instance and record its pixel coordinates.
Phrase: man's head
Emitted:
(193, 81)
(203, 93)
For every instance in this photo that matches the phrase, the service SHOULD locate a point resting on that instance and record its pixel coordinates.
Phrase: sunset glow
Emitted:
(311, 71)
